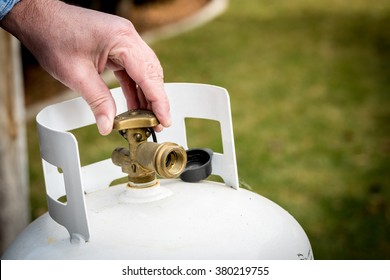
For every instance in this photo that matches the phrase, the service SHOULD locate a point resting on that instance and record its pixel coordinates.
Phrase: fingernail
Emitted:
(169, 121)
(166, 121)
(104, 124)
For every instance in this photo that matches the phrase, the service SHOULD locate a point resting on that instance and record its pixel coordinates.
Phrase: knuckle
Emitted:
(98, 102)
(154, 71)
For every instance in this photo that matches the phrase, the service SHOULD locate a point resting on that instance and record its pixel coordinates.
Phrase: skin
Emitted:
(75, 45)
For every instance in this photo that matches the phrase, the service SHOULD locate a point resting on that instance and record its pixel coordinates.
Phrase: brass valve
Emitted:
(143, 160)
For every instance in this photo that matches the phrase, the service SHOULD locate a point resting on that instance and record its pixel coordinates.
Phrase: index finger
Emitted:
(144, 68)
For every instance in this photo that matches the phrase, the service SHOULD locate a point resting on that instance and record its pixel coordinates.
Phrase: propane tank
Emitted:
(168, 209)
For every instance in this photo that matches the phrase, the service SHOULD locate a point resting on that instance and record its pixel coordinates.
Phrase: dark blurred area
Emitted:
(107, 6)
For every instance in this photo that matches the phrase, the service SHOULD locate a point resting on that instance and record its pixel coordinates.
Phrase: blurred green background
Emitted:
(309, 83)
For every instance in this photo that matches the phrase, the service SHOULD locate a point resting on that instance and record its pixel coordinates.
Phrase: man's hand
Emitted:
(75, 45)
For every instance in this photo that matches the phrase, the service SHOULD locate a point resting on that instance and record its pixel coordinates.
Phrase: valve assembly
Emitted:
(144, 160)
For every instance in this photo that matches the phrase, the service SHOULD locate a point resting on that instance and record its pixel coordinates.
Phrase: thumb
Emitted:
(96, 93)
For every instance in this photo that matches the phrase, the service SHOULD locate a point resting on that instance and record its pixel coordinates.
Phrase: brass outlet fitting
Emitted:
(143, 160)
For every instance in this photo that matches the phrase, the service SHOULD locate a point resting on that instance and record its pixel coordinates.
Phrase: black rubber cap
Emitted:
(198, 165)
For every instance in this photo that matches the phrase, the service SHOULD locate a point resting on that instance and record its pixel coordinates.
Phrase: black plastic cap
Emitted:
(198, 165)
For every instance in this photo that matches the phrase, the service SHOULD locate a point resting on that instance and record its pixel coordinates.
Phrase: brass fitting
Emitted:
(143, 160)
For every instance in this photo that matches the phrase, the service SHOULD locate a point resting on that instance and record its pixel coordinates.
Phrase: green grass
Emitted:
(310, 91)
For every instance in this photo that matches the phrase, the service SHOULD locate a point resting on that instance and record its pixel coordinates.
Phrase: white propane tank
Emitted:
(171, 220)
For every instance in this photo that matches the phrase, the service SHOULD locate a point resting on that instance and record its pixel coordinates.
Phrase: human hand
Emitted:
(75, 45)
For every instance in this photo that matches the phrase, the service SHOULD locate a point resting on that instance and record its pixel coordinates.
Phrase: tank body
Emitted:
(175, 220)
